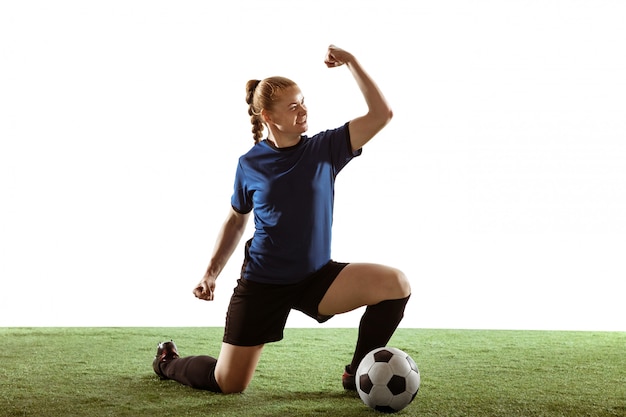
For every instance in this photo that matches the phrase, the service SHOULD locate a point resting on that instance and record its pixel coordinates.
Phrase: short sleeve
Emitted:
(241, 201)
(342, 148)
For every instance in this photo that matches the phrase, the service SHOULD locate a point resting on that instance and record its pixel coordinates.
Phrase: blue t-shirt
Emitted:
(292, 192)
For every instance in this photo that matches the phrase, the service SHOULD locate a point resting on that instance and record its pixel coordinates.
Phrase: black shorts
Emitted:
(258, 312)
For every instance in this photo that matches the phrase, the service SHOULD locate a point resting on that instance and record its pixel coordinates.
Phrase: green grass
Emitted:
(107, 372)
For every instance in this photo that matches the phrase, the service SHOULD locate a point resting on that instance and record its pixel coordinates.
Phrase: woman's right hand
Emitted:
(205, 288)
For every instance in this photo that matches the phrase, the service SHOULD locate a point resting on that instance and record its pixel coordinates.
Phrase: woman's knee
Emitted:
(400, 285)
(233, 387)
(233, 383)
(391, 284)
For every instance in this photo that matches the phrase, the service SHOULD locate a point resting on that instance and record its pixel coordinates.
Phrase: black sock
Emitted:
(376, 328)
(194, 371)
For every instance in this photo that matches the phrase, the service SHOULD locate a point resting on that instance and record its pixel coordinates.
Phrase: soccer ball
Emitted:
(387, 379)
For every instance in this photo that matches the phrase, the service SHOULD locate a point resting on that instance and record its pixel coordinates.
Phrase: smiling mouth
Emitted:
(301, 121)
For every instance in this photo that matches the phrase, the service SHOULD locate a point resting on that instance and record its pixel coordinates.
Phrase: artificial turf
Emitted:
(107, 372)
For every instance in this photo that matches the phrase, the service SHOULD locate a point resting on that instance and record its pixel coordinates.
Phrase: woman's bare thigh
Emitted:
(235, 366)
(361, 284)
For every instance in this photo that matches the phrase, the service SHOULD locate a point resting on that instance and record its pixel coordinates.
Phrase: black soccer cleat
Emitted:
(348, 380)
(166, 351)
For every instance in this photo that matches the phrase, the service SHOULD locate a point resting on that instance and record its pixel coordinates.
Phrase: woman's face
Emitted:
(289, 114)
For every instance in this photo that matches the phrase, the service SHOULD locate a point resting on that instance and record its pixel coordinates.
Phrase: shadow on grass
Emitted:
(182, 400)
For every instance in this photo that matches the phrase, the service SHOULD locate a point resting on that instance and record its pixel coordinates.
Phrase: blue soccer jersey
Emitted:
(291, 191)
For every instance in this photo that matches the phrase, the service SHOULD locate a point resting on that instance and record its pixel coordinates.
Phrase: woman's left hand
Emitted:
(336, 57)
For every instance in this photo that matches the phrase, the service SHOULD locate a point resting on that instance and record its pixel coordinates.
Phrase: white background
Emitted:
(499, 188)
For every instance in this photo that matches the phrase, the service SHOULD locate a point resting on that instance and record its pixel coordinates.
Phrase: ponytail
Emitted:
(254, 112)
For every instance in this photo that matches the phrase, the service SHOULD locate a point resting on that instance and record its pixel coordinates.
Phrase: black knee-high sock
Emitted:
(194, 371)
(376, 328)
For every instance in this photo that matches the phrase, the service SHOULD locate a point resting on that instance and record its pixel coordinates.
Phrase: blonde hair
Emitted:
(260, 94)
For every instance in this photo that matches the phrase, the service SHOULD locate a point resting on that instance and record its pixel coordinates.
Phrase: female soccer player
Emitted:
(287, 180)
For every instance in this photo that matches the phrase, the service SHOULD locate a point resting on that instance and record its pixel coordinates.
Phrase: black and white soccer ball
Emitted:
(387, 379)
